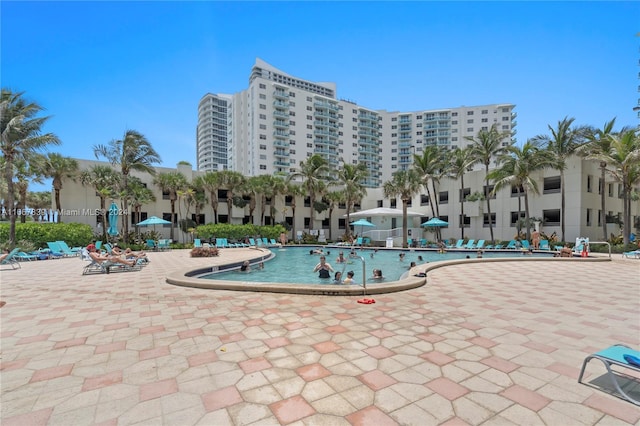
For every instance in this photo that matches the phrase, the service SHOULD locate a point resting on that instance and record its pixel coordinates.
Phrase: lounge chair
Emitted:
(265, 241)
(105, 266)
(458, 245)
(56, 250)
(252, 242)
(480, 245)
(621, 356)
(11, 260)
(525, 245)
(488, 247)
(25, 256)
(358, 242)
(498, 247)
(635, 254)
(511, 245)
(67, 251)
(470, 245)
(544, 245)
(197, 242)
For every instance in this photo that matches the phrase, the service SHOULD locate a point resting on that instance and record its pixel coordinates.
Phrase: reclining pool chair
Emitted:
(620, 356)
(11, 259)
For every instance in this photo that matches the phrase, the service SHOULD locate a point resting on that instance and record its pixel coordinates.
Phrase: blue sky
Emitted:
(100, 68)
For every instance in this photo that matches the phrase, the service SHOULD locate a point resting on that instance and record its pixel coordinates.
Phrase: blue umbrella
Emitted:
(435, 222)
(361, 223)
(113, 219)
(153, 220)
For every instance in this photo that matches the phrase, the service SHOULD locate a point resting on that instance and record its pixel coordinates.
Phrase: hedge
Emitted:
(74, 234)
(238, 232)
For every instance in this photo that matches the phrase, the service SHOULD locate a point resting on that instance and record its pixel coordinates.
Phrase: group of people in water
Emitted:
(325, 269)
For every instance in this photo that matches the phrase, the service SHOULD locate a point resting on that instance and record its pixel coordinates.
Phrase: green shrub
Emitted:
(38, 234)
(238, 232)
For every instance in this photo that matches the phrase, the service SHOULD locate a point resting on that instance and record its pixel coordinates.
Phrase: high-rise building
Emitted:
(281, 120)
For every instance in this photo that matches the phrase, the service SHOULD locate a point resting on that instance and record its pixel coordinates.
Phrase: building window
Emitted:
(517, 191)
(465, 221)
(307, 201)
(485, 111)
(469, 112)
(342, 223)
(263, 147)
(589, 214)
(599, 217)
(263, 86)
(424, 200)
(515, 216)
(263, 106)
(463, 193)
(263, 167)
(263, 116)
(489, 190)
(589, 186)
(394, 203)
(485, 219)
(470, 121)
(443, 197)
(551, 185)
(551, 217)
(379, 203)
(610, 189)
(599, 186)
(165, 195)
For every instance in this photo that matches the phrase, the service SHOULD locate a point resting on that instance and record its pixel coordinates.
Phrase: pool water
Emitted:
(295, 265)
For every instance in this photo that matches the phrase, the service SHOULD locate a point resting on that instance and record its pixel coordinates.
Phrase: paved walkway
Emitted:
(494, 343)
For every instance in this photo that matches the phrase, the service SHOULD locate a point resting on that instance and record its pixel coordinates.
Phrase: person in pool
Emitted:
(323, 268)
(349, 279)
(337, 279)
(377, 274)
(340, 258)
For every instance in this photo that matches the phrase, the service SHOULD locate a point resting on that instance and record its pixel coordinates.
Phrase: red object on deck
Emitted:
(366, 301)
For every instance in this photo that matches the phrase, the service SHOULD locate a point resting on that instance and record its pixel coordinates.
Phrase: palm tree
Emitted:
(313, 173)
(333, 199)
(232, 181)
(24, 174)
(516, 169)
(105, 181)
(211, 182)
(562, 142)
(171, 183)
(599, 145)
(131, 153)
(20, 128)
(428, 166)
(293, 190)
(486, 146)
(254, 185)
(460, 160)
(405, 184)
(350, 178)
(187, 196)
(140, 195)
(59, 168)
(624, 166)
(39, 201)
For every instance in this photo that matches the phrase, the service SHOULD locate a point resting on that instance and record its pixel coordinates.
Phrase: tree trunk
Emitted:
(486, 194)
(603, 214)
(8, 168)
(562, 203)
(461, 207)
(404, 223)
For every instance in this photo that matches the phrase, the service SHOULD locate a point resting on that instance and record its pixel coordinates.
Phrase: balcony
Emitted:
(281, 94)
(281, 143)
(281, 124)
(280, 114)
(281, 134)
(281, 104)
(280, 163)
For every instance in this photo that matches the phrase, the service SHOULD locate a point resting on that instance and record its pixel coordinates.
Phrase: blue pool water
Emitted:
(295, 264)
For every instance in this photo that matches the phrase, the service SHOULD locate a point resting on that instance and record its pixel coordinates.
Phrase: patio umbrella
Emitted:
(362, 223)
(153, 220)
(113, 219)
(435, 222)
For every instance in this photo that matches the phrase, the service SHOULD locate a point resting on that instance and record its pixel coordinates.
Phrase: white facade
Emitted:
(281, 120)
(582, 216)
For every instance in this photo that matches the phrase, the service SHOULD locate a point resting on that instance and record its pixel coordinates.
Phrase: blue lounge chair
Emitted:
(498, 247)
(458, 245)
(252, 242)
(358, 242)
(56, 251)
(470, 244)
(66, 250)
(11, 260)
(525, 244)
(197, 242)
(151, 245)
(511, 245)
(635, 254)
(265, 241)
(621, 356)
(544, 245)
(25, 256)
(480, 245)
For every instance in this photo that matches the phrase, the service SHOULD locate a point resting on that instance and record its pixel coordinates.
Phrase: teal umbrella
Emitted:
(435, 222)
(361, 223)
(153, 220)
(113, 219)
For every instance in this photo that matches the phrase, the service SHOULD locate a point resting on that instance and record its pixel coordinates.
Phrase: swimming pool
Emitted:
(295, 265)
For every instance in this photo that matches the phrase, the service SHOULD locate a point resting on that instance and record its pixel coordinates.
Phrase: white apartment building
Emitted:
(583, 217)
(281, 120)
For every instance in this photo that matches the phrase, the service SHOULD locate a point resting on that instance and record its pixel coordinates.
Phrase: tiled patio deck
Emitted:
(493, 343)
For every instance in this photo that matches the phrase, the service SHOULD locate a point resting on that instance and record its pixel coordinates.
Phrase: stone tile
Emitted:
(447, 388)
(221, 398)
(370, 416)
(531, 400)
(377, 380)
(291, 410)
(313, 372)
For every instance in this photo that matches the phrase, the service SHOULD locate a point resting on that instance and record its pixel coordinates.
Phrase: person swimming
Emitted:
(323, 268)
